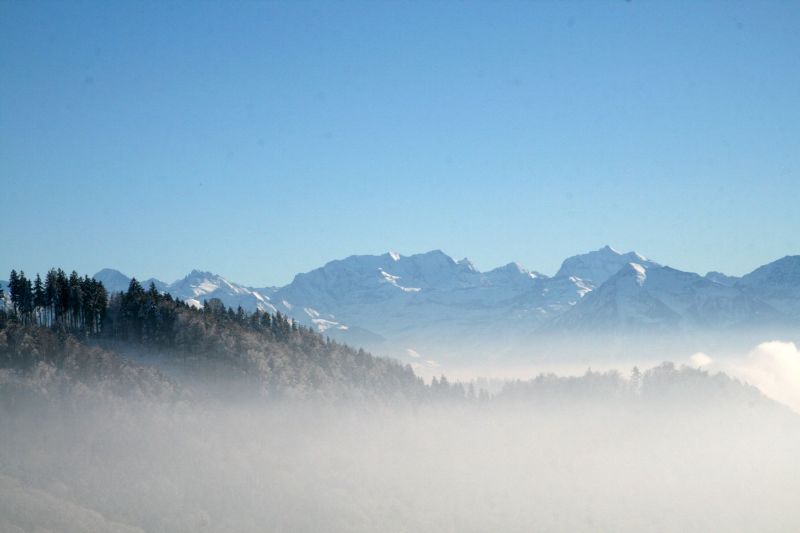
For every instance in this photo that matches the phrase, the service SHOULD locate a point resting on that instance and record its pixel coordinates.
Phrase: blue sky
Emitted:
(258, 140)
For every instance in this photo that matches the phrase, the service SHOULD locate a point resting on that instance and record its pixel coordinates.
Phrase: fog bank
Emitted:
(689, 453)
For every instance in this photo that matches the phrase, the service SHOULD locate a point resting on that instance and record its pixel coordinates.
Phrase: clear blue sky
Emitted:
(257, 140)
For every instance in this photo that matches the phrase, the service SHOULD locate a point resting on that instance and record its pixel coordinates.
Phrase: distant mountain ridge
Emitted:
(599, 265)
(394, 299)
(195, 288)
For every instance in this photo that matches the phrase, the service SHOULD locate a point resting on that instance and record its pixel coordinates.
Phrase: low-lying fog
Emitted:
(687, 453)
(772, 366)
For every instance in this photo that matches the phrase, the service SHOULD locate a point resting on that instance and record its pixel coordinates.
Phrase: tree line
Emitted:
(74, 303)
(269, 351)
(43, 322)
(83, 305)
(151, 317)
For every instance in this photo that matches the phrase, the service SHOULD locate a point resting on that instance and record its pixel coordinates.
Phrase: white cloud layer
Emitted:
(773, 367)
(700, 360)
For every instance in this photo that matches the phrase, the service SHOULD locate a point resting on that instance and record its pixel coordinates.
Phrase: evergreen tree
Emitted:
(39, 300)
(51, 295)
(62, 297)
(3, 314)
(272, 348)
(13, 290)
(21, 296)
(75, 301)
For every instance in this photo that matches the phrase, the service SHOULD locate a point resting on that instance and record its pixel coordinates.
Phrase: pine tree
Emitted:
(75, 301)
(62, 297)
(3, 314)
(13, 290)
(24, 297)
(39, 301)
(101, 307)
(133, 310)
(50, 295)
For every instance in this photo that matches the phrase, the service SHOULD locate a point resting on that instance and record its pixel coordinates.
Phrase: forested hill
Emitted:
(70, 323)
(66, 332)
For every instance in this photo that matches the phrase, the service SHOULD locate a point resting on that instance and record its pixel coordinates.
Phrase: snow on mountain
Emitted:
(597, 266)
(777, 283)
(621, 301)
(639, 298)
(561, 293)
(430, 294)
(373, 299)
(378, 293)
(367, 280)
(200, 286)
(196, 288)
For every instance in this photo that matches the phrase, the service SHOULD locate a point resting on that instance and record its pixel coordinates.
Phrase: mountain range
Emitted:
(392, 302)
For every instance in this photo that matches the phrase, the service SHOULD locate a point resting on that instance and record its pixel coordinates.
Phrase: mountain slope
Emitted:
(116, 281)
(722, 279)
(427, 301)
(599, 265)
(196, 288)
(199, 286)
(375, 297)
(639, 298)
(777, 283)
(405, 296)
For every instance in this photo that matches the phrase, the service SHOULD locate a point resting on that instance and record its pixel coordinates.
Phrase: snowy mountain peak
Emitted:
(421, 297)
(200, 283)
(599, 265)
(660, 297)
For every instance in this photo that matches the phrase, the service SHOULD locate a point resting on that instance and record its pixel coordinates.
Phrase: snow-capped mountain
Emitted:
(392, 301)
(597, 266)
(393, 295)
(199, 286)
(639, 298)
(196, 288)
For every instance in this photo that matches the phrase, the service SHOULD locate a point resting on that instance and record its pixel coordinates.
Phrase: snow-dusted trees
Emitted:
(272, 350)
